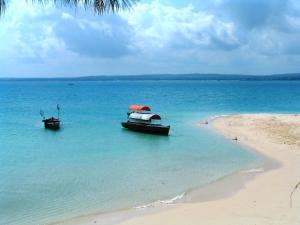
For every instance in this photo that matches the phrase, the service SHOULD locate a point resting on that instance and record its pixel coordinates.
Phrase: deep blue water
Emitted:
(93, 165)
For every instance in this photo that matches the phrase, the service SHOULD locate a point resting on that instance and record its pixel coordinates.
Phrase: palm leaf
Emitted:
(100, 6)
(292, 193)
(2, 6)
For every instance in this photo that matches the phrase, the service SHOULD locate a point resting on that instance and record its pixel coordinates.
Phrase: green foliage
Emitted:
(2, 6)
(99, 6)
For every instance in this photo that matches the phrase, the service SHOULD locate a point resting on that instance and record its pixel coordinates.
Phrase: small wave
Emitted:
(162, 202)
(255, 170)
(145, 206)
(218, 116)
(173, 200)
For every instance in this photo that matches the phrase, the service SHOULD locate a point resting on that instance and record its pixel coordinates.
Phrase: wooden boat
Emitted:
(141, 119)
(147, 128)
(51, 123)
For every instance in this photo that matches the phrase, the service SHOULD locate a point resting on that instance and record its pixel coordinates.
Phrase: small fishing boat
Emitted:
(51, 123)
(142, 120)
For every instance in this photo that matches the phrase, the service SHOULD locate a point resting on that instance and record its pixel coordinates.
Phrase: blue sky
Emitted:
(162, 36)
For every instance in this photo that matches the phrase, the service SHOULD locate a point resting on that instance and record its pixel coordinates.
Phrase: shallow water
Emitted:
(93, 165)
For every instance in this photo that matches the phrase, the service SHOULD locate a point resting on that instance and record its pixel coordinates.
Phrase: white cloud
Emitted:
(26, 33)
(159, 26)
(224, 36)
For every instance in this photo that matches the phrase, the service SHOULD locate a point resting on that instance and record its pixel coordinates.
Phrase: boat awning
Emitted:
(141, 116)
(139, 108)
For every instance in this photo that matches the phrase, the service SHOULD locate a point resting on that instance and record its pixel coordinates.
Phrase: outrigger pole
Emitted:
(58, 109)
(42, 114)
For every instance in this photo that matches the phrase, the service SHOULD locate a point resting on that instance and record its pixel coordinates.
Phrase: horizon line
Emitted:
(145, 75)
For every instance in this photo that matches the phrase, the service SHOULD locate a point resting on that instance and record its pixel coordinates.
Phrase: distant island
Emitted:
(194, 76)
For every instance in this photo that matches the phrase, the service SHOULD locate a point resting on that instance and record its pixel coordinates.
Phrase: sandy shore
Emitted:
(263, 200)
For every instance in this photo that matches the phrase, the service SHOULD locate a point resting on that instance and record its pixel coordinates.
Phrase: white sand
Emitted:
(264, 200)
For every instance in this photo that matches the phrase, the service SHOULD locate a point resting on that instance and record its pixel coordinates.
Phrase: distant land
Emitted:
(195, 76)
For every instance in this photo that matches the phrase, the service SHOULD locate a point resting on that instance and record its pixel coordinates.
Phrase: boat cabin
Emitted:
(141, 119)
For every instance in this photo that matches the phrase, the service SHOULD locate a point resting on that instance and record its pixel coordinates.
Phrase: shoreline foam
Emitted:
(194, 195)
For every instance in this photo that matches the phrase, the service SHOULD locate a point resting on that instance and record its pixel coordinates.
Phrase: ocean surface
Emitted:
(92, 165)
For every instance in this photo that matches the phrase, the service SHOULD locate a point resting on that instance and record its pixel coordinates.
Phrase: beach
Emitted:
(128, 112)
(263, 199)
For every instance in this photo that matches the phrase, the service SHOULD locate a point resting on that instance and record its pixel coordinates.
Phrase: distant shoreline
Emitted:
(146, 77)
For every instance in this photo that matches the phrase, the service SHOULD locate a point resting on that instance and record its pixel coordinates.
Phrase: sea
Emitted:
(93, 165)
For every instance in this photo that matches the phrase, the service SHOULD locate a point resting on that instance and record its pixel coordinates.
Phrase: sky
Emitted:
(154, 37)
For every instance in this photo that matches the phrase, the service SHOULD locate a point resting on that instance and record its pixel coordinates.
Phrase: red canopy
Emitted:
(139, 108)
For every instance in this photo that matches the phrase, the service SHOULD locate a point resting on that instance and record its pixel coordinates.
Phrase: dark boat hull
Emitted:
(52, 124)
(147, 128)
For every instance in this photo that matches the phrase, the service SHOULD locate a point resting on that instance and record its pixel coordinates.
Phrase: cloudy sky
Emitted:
(161, 36)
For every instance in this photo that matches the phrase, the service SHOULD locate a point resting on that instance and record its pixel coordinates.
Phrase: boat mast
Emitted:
(58, 109)
(42, 114)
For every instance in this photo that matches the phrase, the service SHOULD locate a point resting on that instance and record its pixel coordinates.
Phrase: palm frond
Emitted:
(99, 6)
(292, 193)
(2, 6)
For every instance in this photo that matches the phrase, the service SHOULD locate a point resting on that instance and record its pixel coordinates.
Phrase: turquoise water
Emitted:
(93, 165)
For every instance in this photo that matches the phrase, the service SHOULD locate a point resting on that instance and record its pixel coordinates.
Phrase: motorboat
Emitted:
(141, 119)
